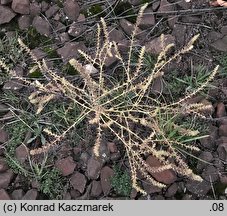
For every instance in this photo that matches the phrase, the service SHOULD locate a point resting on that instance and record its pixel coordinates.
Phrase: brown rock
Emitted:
(222, 151)
(17, 194)
(42, 26)
(74, 194)
(3, 136)
(106, 175)
(179, 32)
(93, 168)
(220, 44)
(96, 188)
(52, 11)
(78, 181)
(116, 35)
(172, 190)
(6, 14)
(76, 29)
(5, 2)
(209, 142)
(30, 195)
(205, 157)
(210, 174)
(35, 9)
(128, 27)
(4, 195)
(149, 188)
(44, 6)
(70, 50)
(165, 6)
(5, 178)
(198, 188)
(24, 22)
(21, 6)
(156, 45)
(222, 130)
(213, 36)
(221, 112)
(112, 147)
(71, 9)
(66, 166)
(3, 165)
(13, 84)
(21, 153)
(166, 176)
(148, 19)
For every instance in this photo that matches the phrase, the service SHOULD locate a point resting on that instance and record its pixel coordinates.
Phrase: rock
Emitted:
(166, 176)
(67, 196)
(70, 50)
(224, 30)
(71, 9)
(5, 179)
(209, 142)
(220, 44)
(52, 11)
(221, 112)
(35, 9)
(39, 54)
(60, 28)
(104, 153)
(191, 19)
(90, 69)
(156, 45)
(13, 85)
(76, 29)
(133, 194)
(78, 181)
(112, 147)
(3, 165)
(17, 194)
(3, 109)
(128, 27)
(184, 5)
(115, 35)
(172, 190)
(21, 6)
(106, 175)
(44, 6)
(30, 195)
(96, 189)
(4, 195)
(149, 188)
(179, 32)
(205, 156)
(222, 130)
(4, 137)
(64, 37)
(148, 19)
(115, 156)
(84, 157)
(6, 14)
(222, 151)
(24, 22)
(66, 166)
(213, 36)
(165, 6)
(74, 194)
(5, 2)
(42, 26)
(21, 153)
(198, 188)
(210, 174)
(93, 168)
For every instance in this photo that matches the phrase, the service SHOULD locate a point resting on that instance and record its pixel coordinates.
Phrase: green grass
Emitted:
(121, 182)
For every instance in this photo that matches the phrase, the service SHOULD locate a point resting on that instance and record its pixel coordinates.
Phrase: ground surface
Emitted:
(55, 30)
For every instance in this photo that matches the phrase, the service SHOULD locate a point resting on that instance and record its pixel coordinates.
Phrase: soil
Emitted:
(55, 31)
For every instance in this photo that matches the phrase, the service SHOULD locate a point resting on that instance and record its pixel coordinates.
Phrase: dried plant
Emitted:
(126, 107)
